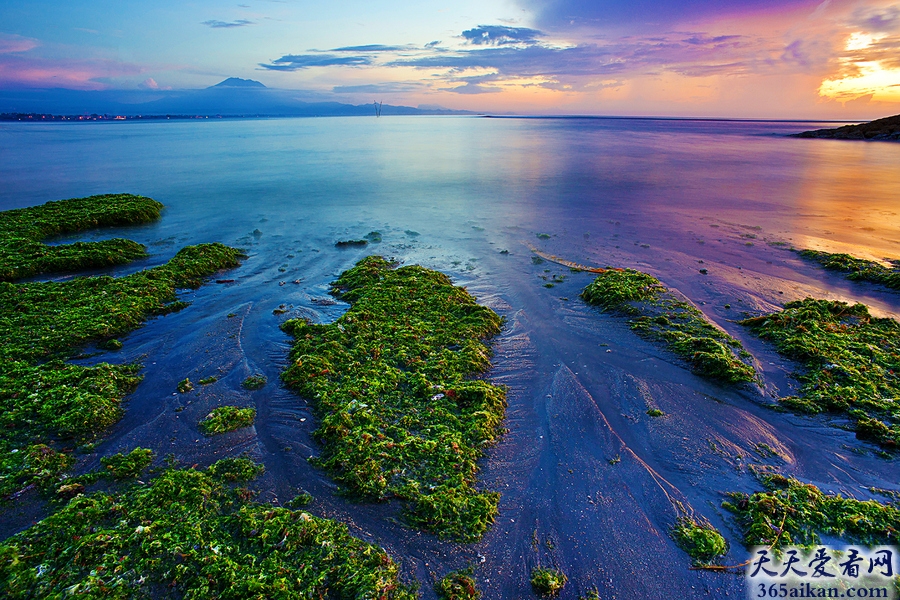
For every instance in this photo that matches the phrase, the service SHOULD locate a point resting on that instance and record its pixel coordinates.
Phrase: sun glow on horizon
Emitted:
(870, 78)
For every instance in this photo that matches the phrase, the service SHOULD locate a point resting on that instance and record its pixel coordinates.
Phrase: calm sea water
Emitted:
(583, 469)
(436, 174)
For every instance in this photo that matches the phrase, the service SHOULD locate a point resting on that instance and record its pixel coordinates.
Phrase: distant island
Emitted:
(887, 129)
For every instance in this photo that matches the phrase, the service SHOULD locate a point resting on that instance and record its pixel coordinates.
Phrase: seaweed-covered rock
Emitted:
(789, 512)
(850, 362)
(188, 534)
(391, 381)
(654, 312)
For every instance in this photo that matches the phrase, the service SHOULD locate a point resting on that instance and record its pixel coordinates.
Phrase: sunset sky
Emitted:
(737, 58)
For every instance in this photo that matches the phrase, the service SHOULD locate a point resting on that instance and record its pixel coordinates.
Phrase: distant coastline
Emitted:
(44, 117)
(232, 98)
(880, 130)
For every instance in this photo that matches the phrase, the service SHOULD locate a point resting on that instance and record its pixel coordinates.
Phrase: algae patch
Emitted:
(699, 539)
(123, 466)
(391, 382)
(47, 404)
(457, 585)
(254, 382)
(188, 534)
(655, 313)
(857, 269)
(851, 363)
(547, 582)
(227, 418)
(789, 512)
(22, 231)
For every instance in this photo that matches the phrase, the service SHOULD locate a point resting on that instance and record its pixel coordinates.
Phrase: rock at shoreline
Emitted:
(887, 129)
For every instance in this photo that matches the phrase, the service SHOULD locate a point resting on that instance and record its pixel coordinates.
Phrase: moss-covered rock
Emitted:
(699, 539)
(22, 231)
(457, 585)
(391, 381)
(122, 466)
(850, 360)
(655, 313)
(189, 535)
(227, 418)
(788, 512)
(45, 401)
(857, 269)
(547, 582)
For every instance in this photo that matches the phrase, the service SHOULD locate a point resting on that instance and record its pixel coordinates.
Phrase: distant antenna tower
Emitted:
(378, 109)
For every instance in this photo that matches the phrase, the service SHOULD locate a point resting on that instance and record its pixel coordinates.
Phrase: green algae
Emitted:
(547, 582)
(699, 539)
(208, 380)
(227, 418)
(184, 386)
(23, 253)
(124, 466)
(51, 403)
(254, 382)
(45, 401)
(850, 359)
(187, 534)
(391, 382)
(111, 344)
(615, 290)
(41, 320)
(235, 470)
(300, 500)
(655, 313)
(791, 513)
(857, 269)
(457, 585)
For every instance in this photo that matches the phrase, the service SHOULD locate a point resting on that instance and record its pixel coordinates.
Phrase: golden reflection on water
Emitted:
(848, 199)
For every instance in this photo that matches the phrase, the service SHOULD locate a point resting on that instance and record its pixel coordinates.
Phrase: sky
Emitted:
(831, 59)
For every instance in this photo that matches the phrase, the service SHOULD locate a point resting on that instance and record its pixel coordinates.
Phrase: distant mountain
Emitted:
(231, 97)
(887, 129)
(237, 82)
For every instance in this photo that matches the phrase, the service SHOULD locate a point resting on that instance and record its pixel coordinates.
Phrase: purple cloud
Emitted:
(556, 14)
(295, 62)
